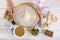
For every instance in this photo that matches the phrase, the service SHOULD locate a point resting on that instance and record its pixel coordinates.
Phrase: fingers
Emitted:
(13, 11)
(10, 12)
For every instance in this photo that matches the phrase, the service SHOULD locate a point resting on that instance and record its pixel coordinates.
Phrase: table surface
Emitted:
(4, 34)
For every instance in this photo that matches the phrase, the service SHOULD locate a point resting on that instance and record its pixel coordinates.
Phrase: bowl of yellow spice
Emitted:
(19, 31)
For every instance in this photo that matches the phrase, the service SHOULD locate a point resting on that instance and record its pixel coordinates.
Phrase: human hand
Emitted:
(40, 14)
(10, 7)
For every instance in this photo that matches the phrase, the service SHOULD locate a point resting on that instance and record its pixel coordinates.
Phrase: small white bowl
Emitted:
(18, 36)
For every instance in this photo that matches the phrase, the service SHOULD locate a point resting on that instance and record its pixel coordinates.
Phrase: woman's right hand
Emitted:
(10, 7)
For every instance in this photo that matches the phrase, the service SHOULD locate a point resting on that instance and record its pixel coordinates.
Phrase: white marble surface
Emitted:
(4, 34)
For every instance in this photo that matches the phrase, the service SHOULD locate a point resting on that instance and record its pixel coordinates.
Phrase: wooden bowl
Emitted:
(25, 15)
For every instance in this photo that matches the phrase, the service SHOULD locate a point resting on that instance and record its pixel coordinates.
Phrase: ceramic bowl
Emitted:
(26, 15)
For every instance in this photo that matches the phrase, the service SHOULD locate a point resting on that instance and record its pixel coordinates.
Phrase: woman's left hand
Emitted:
(40, 14)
